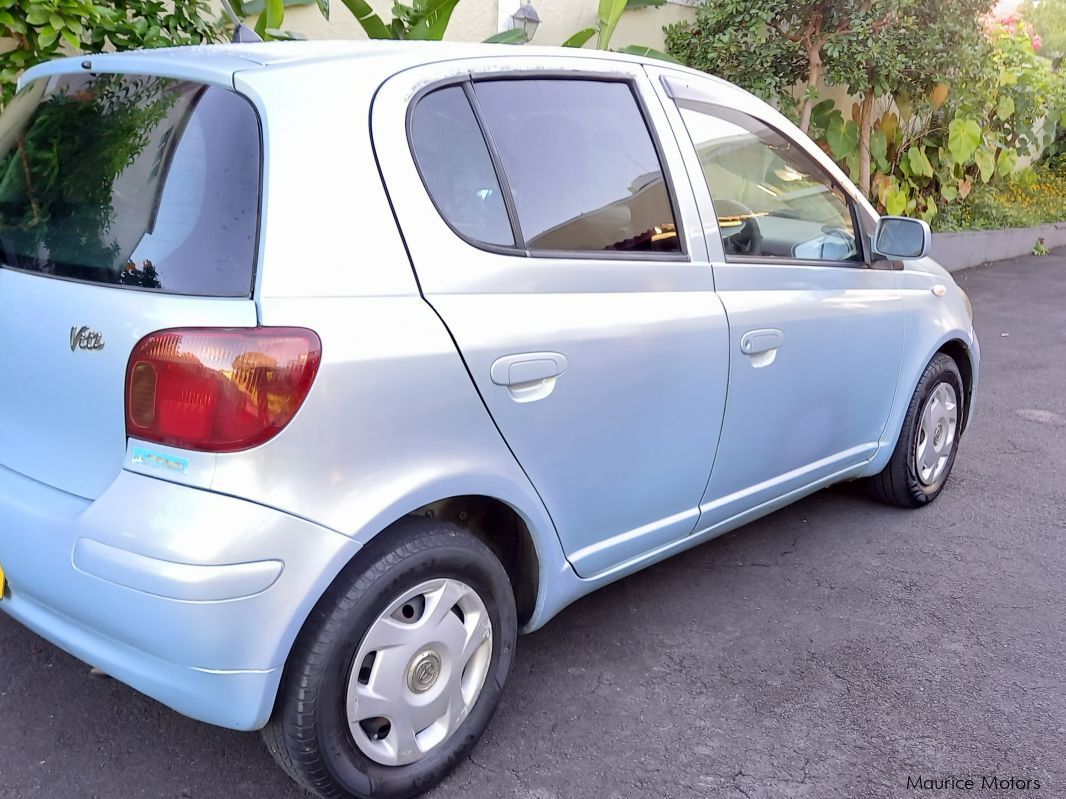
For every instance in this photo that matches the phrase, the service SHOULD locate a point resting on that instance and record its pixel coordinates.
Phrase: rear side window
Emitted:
(457, 169)
(132, 181)
(581, 173)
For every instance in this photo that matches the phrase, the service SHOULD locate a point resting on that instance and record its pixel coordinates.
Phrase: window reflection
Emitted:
(581, 165)
(131, 180)
(771, 198)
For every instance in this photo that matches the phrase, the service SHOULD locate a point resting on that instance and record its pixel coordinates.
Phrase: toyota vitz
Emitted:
(328, 368)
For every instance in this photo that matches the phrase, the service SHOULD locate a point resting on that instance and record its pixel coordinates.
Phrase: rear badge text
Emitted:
(85, 338)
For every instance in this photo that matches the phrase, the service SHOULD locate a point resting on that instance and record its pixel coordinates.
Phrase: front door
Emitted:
(816, 333)
(572, 274)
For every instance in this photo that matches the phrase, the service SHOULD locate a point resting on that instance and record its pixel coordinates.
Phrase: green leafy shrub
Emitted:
(974, 133)
(784, 50)
(1037, 195)
(742, 42)
(945, 101)
(45, 29)
(1049, 23)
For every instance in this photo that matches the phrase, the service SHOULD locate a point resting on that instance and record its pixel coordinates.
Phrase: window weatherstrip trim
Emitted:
(778, 260)
(497, 166)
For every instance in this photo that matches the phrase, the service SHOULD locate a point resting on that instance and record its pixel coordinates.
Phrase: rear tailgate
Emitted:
(128, 204)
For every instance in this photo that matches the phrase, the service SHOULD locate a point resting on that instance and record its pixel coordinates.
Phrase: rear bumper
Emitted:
(190, 597)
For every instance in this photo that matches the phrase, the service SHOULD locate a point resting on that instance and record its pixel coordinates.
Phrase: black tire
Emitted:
(308, 734)
(898, 483)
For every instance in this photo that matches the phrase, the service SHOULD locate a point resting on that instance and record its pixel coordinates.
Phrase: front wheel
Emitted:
(399, 668)
(929, 440)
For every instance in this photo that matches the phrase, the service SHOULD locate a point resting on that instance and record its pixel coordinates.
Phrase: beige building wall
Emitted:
(475, 20)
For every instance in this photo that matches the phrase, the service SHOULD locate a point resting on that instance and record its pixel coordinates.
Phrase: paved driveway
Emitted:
(830, 650)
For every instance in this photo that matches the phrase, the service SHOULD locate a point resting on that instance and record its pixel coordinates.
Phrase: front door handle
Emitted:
(761, 345)
(528, 375)
(758, 341)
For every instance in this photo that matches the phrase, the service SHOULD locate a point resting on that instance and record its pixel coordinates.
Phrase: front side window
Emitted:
(131, 180)
(773, 201)
(581, 165)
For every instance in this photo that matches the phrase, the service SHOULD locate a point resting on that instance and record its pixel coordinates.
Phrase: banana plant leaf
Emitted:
(434, 20)
(647, 52)
(579, 38)
(610, 11)
(512, 36)
(370, 22)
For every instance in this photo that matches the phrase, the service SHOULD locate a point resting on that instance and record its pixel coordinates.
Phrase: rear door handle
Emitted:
(530, 375)
(757, 341)
(528, 367)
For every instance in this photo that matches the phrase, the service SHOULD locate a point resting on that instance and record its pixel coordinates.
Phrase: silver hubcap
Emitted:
(936, 433)
(418, 672)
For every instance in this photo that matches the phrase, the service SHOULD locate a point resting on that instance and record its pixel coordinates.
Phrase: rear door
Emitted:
(128, 204)
(568, 263)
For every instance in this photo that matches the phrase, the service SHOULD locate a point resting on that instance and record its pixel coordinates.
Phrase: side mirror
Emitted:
(899, 237)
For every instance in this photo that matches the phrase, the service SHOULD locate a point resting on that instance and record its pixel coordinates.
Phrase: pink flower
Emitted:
(1037, 43)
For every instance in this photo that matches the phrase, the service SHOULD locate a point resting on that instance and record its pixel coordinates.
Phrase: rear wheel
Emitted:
(929, 440)
(400, 667)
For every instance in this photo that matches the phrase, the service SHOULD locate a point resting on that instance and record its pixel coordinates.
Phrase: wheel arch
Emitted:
(509, 517)
(503, 530)
(503, 511)
(961, 350)
(527, 546)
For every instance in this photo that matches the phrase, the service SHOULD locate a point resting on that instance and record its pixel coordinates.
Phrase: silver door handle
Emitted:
(526, 368)
(756, 341)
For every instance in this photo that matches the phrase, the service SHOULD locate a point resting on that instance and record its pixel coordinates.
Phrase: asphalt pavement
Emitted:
(837, 648)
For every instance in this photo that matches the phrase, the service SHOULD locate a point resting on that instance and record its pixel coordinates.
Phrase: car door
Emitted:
(572, 274)
(816, 331)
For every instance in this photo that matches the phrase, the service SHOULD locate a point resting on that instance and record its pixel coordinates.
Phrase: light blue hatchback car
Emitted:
(328, 368)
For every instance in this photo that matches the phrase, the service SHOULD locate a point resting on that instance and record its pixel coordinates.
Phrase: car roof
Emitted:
(217, 63)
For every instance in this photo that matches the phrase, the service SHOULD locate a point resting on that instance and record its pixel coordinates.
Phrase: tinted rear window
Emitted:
(132, 181)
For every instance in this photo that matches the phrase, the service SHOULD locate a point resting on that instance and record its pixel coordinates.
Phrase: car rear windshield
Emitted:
(132, 181)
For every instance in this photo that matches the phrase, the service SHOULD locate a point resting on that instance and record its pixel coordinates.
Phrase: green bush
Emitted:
(45, 29)
(946, 102)
(741, 42)
(1036, 196)
(962, 137)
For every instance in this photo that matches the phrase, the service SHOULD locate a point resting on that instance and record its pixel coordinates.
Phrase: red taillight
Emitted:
(218, 389)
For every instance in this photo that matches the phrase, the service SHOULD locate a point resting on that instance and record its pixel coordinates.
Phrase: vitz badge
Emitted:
(85, 338)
